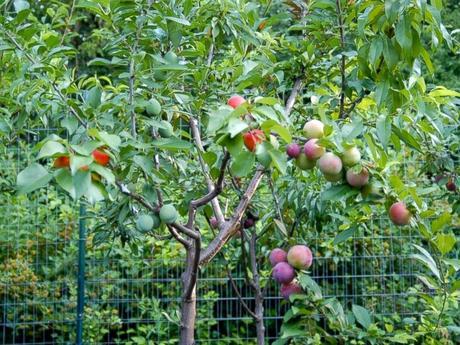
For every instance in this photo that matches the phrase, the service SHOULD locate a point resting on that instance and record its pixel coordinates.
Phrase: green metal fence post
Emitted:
(81, 274)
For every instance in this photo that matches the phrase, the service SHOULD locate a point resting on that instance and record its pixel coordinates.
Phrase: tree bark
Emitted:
(188, 302)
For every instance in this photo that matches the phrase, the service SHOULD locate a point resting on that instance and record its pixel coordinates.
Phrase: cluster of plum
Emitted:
(313, 154)
(299, 257)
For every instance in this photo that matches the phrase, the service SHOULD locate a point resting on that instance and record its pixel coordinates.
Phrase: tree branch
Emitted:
(204, 167)
(291, 100)
(132, 77)
(238, 294)
(178, 237)
(231, 226)
(193, 269)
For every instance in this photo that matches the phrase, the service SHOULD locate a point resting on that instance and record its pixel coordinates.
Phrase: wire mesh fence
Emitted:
(133, 297)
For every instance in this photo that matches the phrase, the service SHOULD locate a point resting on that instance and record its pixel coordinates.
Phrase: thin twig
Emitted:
(67, 22)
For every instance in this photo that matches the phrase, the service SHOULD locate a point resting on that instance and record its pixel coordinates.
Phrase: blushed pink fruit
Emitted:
(312, 150)
(304, 163)
(330, 164)
(277, 255)
(314, 129)
(293, 150)
(214, 223)
(300, 257)
(351, 156)
(235, 101)
(358, 180)
(289, 289)
(283, 272)
(399, 214)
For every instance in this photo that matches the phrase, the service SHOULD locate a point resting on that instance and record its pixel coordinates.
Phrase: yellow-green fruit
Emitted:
(168, 214)
(153, 107)
(304, 163)
(144, 223)
(166, 130)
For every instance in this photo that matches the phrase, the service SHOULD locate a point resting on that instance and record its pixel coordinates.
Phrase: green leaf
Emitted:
(383, 127)
(112, 140)
(279, 159)
(217, 119)
(81, 182)
(77, 162)
(403, 33)
(179, 20)
(362, 316)
(172, 144)
(63, 178)
(266, 100)
(236, 126)
(344, 235)
(338, 192)
(281, 227)
(407, 138)
(445, 242)
(443, 220)
(443, 92)
(33, 177)
(243, 164)
(95, 193)
(308, 284)
(145, 163)
(426, 258)
(51, 148)
(104, 172)
(93, 97)
(353, 129)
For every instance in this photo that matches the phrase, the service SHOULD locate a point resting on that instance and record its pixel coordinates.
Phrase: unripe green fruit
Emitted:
(333, 178)
(153, 107)
(304, 163)
(166, 130)
(351, 156)
(144, 223)
(168, 214)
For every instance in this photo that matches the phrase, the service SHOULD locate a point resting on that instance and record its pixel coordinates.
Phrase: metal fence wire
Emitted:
(133, 297)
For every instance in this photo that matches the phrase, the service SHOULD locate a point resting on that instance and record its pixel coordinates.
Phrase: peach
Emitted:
(399, 214)
(300, 257)
(283, 272)
(235, 101)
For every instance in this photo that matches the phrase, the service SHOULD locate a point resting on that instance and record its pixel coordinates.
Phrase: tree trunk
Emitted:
(187, 323)
(188, 302)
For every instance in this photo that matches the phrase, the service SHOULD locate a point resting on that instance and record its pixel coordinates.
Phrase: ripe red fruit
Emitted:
(61, 162)
(252, 138)
(100, 157)
(249, 222)
(450, 185)
(293, 150)
(283, 273)
(277, 255)
(399, 214)
(289, 289)
(300, 257)
(235, 101)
